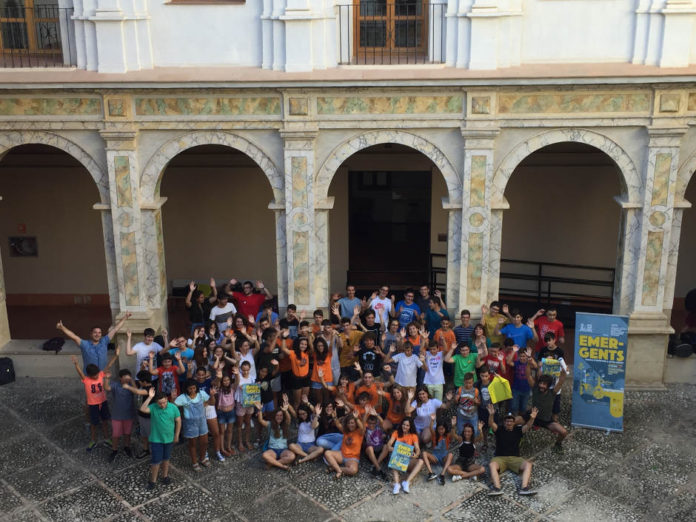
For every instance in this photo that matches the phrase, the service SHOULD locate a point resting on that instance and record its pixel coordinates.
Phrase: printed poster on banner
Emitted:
(251, 393)
(401, 456)
(600, 371)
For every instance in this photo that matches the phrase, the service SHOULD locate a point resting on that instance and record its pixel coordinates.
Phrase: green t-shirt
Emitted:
(162, 423)
(544, 402)
(462, 366)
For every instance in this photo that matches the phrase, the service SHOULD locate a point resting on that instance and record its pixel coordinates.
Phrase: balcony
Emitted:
(35, 35)
(391, 32)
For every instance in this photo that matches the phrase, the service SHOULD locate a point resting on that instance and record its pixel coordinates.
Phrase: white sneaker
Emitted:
(397, 488)
(474, 479)
(456, 478)
(404, 486)
(220, 457)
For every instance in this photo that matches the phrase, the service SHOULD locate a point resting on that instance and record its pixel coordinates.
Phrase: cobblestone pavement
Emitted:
(646, 473)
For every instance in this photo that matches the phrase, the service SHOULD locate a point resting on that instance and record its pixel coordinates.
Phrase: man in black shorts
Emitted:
(543, 396)
(507, 451)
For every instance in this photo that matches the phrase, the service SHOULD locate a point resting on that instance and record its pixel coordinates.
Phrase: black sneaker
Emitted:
(526, 491)
(374, 471)
(166, 481)
(112, 457)
(441, 480)
(432, 476)
(495, 492)
(128, 451)
(150, 486)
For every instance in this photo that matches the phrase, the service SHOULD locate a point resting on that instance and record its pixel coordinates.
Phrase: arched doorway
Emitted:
(388, 225)
(216, 222)
(686, 260)
(561, 236)
(52, 246)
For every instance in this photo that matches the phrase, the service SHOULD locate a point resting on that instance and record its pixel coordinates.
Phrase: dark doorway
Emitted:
(389, 227)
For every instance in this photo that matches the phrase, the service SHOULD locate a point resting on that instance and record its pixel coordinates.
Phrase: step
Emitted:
(31, 361)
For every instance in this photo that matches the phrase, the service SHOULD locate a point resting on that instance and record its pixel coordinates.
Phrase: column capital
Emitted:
(119, 139)
(292, 133)
(479, 138)
(666, 136)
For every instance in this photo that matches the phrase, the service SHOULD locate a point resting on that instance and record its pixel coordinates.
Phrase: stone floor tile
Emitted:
(680, 506)
(235, 486)
(70, 435)
(47, 412)
(551, 489)
(585, 504)
(386, 506)
(615, 444)
(23, 452)
(91, 502)
(27, 514)
(57, 474)
(187, 504)
(577, 462)
(482, 508)
(10, 426)
(337, 495)
(286, 505)
(130, 484)
(8, 500)
(432, 497)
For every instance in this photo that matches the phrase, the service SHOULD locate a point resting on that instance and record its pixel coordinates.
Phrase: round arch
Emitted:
(630, 180)
(14, 139)
(152, 174)
(362, 141)
(684, 175)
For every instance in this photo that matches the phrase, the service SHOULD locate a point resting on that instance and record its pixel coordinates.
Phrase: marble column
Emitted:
(480, 248)
(649, 326)
(306, 234)
(136, 235)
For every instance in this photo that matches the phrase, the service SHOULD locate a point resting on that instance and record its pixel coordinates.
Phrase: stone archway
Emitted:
(98, 173)
(151, 176)
(630, 179)
(362, 141)
(630, 201)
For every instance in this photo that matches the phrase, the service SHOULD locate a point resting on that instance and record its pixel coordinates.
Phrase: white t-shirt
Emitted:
(433, 368)
(249, 357)
(142, 353)
(220, 315)
(407, 371)
(305, 432)
(423, 413)
(381, 306)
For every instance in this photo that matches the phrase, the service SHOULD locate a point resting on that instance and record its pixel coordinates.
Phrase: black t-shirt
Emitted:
(544, 403)
(557, 353)
(370, 361)
(199, 313)
(467, 451)
(264, 358)
(374, 329)
(266, 392)
(507, 443)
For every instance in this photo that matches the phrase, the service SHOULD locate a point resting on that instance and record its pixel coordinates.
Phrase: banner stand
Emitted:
(599, 373)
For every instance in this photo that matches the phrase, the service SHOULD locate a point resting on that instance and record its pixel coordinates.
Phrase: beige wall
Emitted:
(404, 160)
(686, 275)
(562, 214)
(55, 204)
(216, 220)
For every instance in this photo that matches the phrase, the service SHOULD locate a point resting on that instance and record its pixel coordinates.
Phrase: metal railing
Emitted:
(37, 36)
(391, 32)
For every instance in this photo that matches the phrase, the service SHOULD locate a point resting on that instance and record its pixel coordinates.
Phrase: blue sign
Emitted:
(600, 371)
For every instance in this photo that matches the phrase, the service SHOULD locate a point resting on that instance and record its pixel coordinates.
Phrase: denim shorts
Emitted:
(160, 451)
(226, 417)
(195, 427)
(306, 445)
(98, 413)
(268, 407)
(315, 385)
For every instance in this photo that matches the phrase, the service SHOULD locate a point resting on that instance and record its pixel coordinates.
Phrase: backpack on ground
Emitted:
(54, 344)
(7, 373)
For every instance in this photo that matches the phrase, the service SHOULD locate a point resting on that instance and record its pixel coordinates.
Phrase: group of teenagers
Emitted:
(375, 374)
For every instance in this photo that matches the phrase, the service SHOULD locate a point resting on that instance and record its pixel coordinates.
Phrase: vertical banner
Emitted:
(600, 371)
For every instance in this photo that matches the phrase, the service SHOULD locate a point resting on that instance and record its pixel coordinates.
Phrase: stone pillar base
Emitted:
(154, 318)
(648, 334)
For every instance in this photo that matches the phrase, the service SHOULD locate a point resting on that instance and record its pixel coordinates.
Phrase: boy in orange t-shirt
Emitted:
(444, 336)
(97, 404)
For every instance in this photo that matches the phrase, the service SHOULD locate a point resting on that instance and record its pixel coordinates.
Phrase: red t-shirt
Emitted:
(248, 304)
(495, 364)
(543, 325)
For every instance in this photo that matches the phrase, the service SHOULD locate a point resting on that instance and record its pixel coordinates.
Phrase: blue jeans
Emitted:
(519, 401)
(461, 421)
(331, 441)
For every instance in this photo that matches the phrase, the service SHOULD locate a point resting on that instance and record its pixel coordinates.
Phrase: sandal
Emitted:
(197, 467)
(206, 463)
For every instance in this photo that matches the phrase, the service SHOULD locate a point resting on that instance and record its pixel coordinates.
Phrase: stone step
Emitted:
(31, 361)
